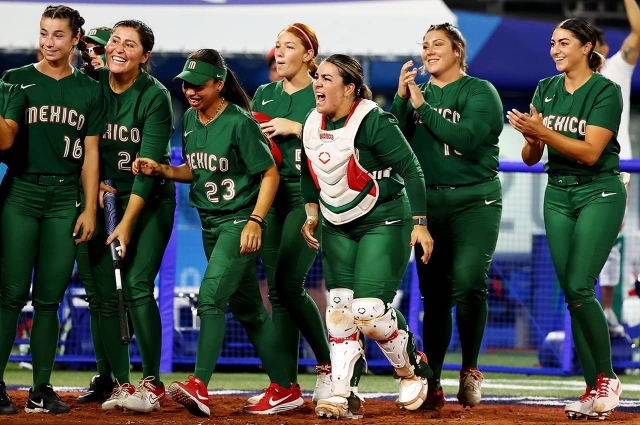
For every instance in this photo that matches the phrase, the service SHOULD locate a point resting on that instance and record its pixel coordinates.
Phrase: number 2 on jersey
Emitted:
(212, 190)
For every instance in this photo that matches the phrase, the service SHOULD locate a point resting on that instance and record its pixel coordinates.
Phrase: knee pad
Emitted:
(379, 322)
(344, 340)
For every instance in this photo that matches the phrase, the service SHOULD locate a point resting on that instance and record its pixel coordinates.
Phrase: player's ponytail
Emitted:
(232, 90)
(596, 60)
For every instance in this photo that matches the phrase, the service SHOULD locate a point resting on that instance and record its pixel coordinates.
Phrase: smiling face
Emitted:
(124, 51)
(95, 51)
(333, 98)
(56, 39)
(567, 51)
(438, 54)
(201, 98)
(291, 55)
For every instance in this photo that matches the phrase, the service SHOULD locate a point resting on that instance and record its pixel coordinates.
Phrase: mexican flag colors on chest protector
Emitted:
(347, 191)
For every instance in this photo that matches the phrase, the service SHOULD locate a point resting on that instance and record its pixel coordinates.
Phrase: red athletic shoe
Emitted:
(193, 395)
(277, 399)
(435, 397)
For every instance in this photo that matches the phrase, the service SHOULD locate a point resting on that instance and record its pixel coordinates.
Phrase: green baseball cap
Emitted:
(198, 72)
(98, 35)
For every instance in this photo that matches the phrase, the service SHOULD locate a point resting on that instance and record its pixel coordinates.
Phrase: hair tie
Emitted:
(305, 36)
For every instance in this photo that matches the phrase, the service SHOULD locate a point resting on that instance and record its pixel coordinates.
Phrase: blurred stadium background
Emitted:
(507, 44)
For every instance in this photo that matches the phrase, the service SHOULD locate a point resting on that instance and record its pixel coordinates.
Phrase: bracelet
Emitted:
(256, 215)
(261, 223)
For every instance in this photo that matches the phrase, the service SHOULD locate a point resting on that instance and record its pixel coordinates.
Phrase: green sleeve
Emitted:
(399, 108)
(16, 106)
(97, 120)
(480, 113)
(310, 192)
(607, 108)
(253, 147)
(257, 96)
(156, 134)
(394, 151)
(537, 100)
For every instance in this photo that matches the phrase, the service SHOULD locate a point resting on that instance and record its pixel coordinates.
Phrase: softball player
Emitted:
(356, 165)
(233, 182)
(139, 122)
(453, 122)
(40, 225)
(13, 102)
(101, 385)
(577, 114)
(285, 255)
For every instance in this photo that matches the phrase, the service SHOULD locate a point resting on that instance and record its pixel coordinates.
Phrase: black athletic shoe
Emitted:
(100, 390)
(45, 400)
(6, 405)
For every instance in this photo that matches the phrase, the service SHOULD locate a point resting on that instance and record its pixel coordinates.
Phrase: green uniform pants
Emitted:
(464, 224)
(582, 222)
(37, 221)
(149, 238)
(231, 278)
(287, 260)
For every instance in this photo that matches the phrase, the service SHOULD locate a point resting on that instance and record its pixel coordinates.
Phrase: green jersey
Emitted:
(272, 100)
(455, 132)
(597, 102)
(227, 158)
(13, 102)
(58, 117)
(379, 145)
(139, 123)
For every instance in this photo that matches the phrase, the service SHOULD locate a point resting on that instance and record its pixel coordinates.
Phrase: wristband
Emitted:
(261, 223)
(422, 221)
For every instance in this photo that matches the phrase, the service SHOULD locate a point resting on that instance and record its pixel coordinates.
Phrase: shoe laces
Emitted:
(471, 377)
(603, 385)
(323, 369)
(588, 394)
(273, 388)
(145, 385)
(119, 389)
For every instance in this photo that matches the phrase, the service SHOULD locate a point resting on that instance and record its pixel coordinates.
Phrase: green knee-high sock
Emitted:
(148, 327)
(596, 332)
(288, 337)
(116, 354)
(102, 363)
(8, 330)
(45, 331)
(437, 325)
(584, 354)
(420, 368)
(309, 321)
(471, 322)
(209, 345)
(262, 337)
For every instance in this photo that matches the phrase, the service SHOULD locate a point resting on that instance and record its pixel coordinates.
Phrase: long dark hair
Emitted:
(585, 33)
(232, 90)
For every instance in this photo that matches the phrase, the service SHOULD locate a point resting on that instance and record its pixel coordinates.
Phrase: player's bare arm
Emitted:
(421, 235)
(90, 183)
(311, 225)
(631, 46)
(122, 232)
(8, 131)
(149, 167)
(251, 236)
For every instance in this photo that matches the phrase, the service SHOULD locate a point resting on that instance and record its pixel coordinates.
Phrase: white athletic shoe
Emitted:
(338, 407)
(412, 392)
(608, 392)
(323, 382)
(146, 398)
(470, 390)
(120, 394)
(583, 408)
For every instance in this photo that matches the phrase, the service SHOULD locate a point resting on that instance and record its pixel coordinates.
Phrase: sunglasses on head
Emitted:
(98, 50)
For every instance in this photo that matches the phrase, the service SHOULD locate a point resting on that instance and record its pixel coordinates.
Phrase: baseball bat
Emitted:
(111, 221)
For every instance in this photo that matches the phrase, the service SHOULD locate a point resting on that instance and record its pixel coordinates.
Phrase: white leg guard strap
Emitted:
(344, 341)
(379, 322)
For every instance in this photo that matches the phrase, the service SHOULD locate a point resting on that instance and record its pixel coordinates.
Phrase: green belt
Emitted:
(562, 180)
(50, 179)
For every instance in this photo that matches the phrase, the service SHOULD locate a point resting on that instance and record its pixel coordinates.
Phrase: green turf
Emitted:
(499, 384)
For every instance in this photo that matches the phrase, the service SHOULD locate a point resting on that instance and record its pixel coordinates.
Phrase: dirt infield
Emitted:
(227, 410)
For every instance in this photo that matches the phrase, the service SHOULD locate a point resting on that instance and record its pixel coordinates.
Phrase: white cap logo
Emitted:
(192, 65)
(93, 32)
